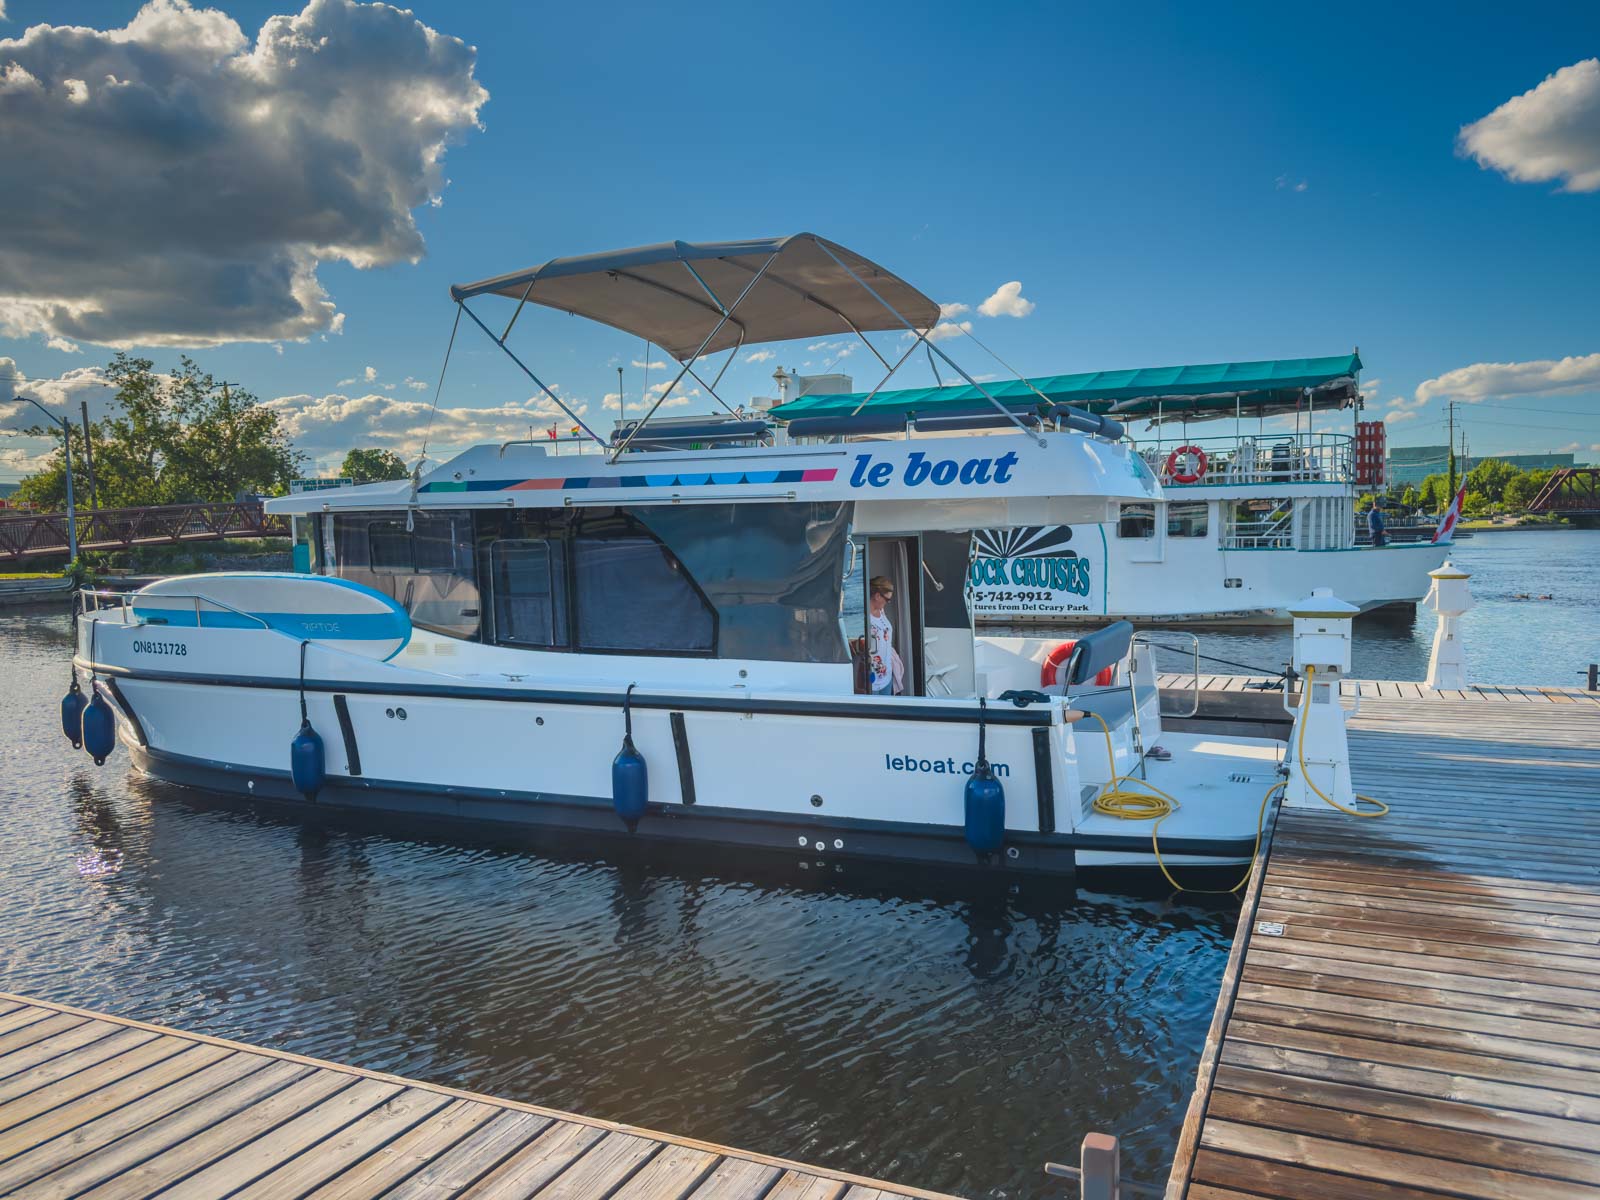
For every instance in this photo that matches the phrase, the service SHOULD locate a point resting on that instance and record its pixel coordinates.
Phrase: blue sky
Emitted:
(1168, 183)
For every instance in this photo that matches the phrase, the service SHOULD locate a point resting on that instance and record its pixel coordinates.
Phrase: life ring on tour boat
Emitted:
(1053, 660)
(1196, 475)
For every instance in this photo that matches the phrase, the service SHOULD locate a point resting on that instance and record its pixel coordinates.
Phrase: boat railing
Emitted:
(96, 600)
(1289, 458)
(1274, 532)
(1141, 639)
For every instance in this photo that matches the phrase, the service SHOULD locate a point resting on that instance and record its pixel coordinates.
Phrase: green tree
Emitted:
(170, 439)
(372, 466)
(1519, 492)
(1434, 494)
(1489, 478)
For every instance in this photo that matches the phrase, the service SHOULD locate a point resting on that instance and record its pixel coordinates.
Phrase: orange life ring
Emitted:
(1053, 660)
(1186, 477)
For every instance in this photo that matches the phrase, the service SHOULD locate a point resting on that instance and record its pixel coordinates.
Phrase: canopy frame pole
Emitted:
(727, 315)
(922, 337)
(732, 353)
(779, 281)
(517, 312)
(934, 367)
(711, 387)
(898, 364)
(1023, 379)
(868, 344)
(559, 402)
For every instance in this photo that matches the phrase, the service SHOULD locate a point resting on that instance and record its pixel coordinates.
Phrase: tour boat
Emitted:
(648, 638)
(1248, 522)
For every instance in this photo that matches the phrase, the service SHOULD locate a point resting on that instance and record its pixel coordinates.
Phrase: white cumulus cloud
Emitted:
(183, 182)
(63, 396)
(369, 373)
(1551, 132)
(1406, 414)
(946, 311)
(640, 363)
(325, 427)
(760, 356)
(1007, 301)
(946, 330)
(1541, 377)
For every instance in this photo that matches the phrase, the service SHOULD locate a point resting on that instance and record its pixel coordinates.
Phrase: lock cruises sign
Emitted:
(1032, 571)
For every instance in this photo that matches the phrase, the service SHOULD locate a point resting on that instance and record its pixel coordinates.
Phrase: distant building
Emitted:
(1410, 465)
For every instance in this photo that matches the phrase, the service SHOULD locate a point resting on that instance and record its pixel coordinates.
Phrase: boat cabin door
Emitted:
(891, 565)
(926, 575)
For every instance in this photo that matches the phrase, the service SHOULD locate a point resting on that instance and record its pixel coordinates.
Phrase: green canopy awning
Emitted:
(1204, 390)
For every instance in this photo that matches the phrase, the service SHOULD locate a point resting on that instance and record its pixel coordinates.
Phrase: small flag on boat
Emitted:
(1447, 523)
(552, 433)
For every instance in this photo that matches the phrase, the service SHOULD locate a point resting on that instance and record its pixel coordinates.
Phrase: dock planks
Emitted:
(105, 1108)
(1427, 1023)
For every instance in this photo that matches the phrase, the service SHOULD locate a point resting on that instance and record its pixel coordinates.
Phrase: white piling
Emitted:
(1450, 598)
(1100, 1164)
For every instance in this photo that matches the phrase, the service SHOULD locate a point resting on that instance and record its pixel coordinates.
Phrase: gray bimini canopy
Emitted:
(675, 293)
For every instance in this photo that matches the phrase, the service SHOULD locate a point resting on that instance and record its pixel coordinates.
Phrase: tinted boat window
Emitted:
(631, 594)
(428, 570)
(388, 546)
(1187, 518)
(530, 592)
(774, 573)
(1137, 521)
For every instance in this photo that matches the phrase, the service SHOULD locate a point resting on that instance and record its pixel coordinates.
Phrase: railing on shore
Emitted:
(36, 535)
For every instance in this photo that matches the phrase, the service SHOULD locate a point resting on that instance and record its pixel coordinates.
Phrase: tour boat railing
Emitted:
(1285, 458)
(1265, 533)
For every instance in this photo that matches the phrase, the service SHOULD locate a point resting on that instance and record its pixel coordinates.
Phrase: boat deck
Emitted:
(1412, 1007)
(102, 1107)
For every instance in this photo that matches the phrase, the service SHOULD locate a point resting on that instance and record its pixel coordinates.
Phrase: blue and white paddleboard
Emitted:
(306, 607)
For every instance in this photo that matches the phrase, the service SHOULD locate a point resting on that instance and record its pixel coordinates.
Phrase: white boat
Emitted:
(1248, 523)
(475, 646)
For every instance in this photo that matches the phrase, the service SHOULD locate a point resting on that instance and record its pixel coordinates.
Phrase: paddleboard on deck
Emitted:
(305, 607)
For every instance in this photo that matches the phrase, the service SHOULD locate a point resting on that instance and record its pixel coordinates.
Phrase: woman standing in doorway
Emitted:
(887, 671)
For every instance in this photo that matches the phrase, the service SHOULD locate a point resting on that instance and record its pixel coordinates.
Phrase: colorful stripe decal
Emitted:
(578, 482)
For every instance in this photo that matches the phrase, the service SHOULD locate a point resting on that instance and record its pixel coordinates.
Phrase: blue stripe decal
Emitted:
(355, 627)
(583, 482)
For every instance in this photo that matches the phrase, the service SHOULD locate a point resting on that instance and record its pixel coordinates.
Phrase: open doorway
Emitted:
(893, 563)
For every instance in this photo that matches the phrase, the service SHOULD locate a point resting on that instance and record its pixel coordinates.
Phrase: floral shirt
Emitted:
(880, 650)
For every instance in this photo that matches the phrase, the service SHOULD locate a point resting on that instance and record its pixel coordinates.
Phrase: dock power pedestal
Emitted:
(1322, 634)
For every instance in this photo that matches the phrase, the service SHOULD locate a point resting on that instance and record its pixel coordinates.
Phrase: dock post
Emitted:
(1100, 1167)
(1449, 597)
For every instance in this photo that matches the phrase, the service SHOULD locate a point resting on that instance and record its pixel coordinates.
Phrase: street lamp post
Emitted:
(66, 446)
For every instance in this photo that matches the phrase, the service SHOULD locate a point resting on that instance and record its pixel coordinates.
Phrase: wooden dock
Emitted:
(110, 1109)
(1379, 689)
(1412, 1007)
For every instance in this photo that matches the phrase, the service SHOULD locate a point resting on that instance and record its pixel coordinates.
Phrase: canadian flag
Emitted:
(1447, 523)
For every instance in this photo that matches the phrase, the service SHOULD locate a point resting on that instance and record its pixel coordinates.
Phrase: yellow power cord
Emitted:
(1155, 804)
(1300, 753)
